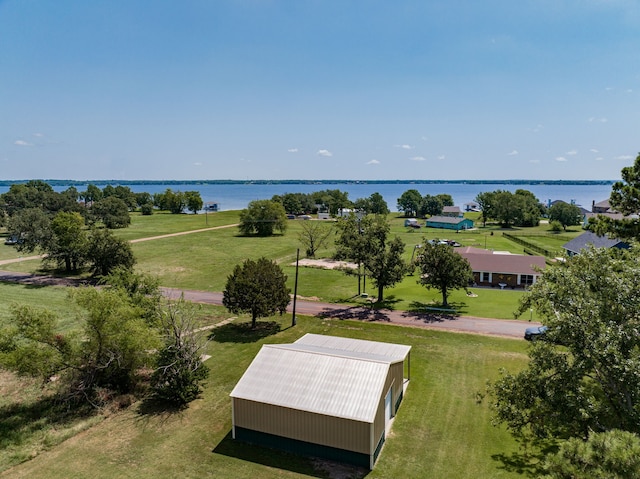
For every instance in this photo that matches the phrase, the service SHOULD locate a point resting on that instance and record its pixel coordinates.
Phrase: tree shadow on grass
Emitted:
(19, 422)
(359, 313)
(277, 459)
(528, 461)
(243, 333)
(434, 313)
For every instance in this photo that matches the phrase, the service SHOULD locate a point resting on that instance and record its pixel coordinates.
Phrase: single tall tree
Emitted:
(262, 218)
(443, 269)
(410, 202)
(565, 213)
(366, 241)
(258, 288)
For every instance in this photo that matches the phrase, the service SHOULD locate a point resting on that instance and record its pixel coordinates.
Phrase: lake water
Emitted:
(238, 196)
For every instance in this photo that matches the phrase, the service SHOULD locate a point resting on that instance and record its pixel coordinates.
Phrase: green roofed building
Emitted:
(322, 396)
(450, 223)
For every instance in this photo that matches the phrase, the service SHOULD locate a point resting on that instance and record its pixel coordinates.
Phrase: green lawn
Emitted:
(203, 260)
(440, 430)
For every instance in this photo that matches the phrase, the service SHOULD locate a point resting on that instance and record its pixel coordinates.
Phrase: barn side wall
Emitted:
(303, 426)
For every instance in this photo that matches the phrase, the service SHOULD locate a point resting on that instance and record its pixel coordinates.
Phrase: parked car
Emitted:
(535, 332)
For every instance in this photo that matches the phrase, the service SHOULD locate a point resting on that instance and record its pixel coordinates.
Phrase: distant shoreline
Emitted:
(311, 182)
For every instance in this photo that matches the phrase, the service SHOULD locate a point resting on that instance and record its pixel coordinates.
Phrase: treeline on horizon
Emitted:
(311, 182)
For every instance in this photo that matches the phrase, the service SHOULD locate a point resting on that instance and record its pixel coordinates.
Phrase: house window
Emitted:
(485, 277)
(526, 279)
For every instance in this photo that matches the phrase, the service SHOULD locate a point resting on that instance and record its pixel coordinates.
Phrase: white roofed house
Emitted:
(321, 396)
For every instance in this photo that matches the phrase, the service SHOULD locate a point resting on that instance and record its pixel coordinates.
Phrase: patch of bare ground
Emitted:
(326, 263)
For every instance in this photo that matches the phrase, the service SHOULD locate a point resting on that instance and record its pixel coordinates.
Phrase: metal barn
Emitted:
(322, 396)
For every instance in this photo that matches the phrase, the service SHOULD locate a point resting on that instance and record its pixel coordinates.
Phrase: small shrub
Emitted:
(555, 226)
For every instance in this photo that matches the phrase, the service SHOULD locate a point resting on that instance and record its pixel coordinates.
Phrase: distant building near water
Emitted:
(211, 206)
(450, 223)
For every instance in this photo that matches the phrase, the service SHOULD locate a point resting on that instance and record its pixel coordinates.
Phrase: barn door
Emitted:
(388, 410)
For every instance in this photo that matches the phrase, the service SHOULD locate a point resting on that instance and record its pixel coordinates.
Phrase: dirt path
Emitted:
(181, 233)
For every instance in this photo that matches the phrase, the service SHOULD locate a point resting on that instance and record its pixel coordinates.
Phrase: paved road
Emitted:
(466, 324)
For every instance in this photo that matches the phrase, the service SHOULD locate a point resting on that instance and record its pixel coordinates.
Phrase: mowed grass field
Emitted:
(441, 430)
(203, 260)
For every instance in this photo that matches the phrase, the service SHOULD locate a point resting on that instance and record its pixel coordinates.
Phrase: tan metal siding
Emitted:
(303, 426)
(397, 373)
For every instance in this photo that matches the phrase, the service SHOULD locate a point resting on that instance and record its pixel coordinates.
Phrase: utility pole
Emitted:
(295, 290)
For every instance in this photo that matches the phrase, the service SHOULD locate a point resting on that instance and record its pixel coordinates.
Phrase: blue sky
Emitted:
(310, 89)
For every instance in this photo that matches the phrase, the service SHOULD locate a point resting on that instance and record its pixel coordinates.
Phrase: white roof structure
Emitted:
(394, 352)
(321, 374)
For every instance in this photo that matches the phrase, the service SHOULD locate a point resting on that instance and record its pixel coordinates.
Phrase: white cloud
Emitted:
(292, 150)
(572, 152)
(404, 147)
(624, 157)
(609, 88)
(424, 138)
(629, 90)
(593, 150)
(534, 161)
(561, 158)
(21, 143)
(326, 153)
(197, 163)
(537, 128)
(598, 120)
(38, 135)
(599, 158)
(441, 157)
(513, 153)
(417, 158)
(373, 162)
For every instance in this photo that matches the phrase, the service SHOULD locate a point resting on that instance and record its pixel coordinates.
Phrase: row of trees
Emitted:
(414, 204)
(330, 201)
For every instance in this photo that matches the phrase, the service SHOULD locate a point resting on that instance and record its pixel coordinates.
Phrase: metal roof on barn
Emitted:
(321, 374)
(395, 352)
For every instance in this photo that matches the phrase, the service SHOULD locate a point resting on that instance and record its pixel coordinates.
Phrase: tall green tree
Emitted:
(262, 218)
(351, 244)
(31, 228)
(331, 200)
(485, 202)
(366, 241)
(193, 201)
(258, 288)
(373, 205)
(431, 206)
(565, 213)
(443, 269)
(68, 245)
(410, 202)
(106, 252)
(586, 376)
(112, 211)
(625, 198)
